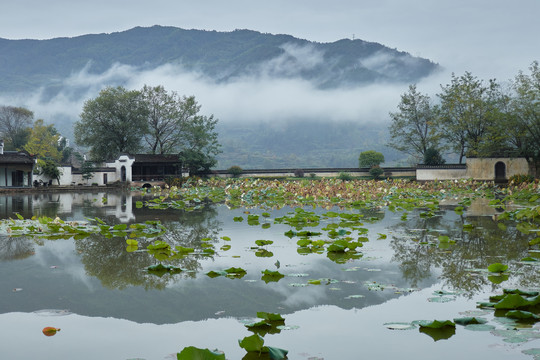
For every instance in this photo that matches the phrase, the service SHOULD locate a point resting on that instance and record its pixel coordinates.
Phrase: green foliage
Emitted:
(235, 171)
(433, 157)
(87, 170)
(49, 168)
(497, 267)
(15, 126)
(376, 171)
(43, 141)
(412, 129)
(193, 353)
(344, 176)
(370, 158)
(113, 123)
(520, 179)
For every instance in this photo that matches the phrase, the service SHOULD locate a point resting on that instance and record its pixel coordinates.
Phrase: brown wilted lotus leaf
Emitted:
(50, 331)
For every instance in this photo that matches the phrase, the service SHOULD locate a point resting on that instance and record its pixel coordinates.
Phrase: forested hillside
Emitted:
(283, 79)
(28, 64)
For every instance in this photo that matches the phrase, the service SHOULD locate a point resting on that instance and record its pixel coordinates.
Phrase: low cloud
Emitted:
(260, 97)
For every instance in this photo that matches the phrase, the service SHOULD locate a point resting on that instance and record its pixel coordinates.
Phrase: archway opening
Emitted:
(123, 173)
(500, 171)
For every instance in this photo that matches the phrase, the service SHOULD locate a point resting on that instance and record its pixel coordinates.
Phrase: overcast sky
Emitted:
(490, 38)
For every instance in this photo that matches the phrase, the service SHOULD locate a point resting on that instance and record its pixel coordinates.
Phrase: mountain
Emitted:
(281, 127)
(222, 56)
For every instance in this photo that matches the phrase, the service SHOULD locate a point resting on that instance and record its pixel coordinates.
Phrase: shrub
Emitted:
(520, 179)
(235, 170)
(344, 176)
(376, 171)
(312, 175)
(299, 173)
(174, 181)
(433, 157)
(370, 158)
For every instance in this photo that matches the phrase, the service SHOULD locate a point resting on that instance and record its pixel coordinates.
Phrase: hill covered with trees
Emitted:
(223, 56)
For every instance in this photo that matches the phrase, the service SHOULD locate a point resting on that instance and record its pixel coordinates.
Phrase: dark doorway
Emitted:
(123, 173)
(104, 179)
(500, 171)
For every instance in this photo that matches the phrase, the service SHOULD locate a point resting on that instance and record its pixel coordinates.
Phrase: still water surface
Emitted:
(109, 307)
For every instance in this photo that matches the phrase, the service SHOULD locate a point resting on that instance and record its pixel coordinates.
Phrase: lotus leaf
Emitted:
(470, 320)
(254, 343)
(497, 268)
(435, 324)
(193, 353)
(512, 301)
(524, 315)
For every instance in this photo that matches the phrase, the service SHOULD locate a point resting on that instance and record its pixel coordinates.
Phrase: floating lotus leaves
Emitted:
(434, 324)
(400, 326)
(469, 320)
(255, 343)
(193, 353)
(271, 276)
(522, 315)
(437, 329)
(497, 268)
(515, 301)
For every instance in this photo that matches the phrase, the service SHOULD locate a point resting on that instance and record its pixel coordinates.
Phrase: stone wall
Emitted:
(447, 172)
(484, 168)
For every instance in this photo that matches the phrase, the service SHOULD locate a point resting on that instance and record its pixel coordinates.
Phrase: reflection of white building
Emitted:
(71, 204)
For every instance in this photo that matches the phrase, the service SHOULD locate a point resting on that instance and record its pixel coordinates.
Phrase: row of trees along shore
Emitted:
(472, 118)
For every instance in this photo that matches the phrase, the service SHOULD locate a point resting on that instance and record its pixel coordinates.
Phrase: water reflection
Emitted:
(390, 281)
(16, 248)
(479, 242)
(108, 260)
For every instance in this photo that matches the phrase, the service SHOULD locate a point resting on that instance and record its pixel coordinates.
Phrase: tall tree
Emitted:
(43, 142)
(201, 145)
(526, 109)
(164, 119)
(15, 124)
(412, 129)
(466, 113)
(112, 123)
(176, 126)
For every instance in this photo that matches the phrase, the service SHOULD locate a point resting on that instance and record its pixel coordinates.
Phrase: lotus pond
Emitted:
(322, 269)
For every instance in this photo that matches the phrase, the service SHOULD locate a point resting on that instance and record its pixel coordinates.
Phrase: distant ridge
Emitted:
(26, 65)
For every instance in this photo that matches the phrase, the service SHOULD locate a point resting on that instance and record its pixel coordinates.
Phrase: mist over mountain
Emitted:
(281, 101)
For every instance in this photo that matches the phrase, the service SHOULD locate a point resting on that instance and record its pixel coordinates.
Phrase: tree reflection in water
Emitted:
(16, 247)
(417, 248)
(108, 260)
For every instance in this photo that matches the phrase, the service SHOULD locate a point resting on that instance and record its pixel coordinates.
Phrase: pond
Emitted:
(335, 305)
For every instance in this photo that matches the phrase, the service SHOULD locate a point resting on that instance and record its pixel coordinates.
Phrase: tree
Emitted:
(15, 123)
(467, 111)
(413, 127)
(112, 123)
(87, 169)
(370, 158)
(43, 142)
(49, 168)
(433, 157)
(525, 107)
(175, 126)
(165, 118)
(200, 144)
